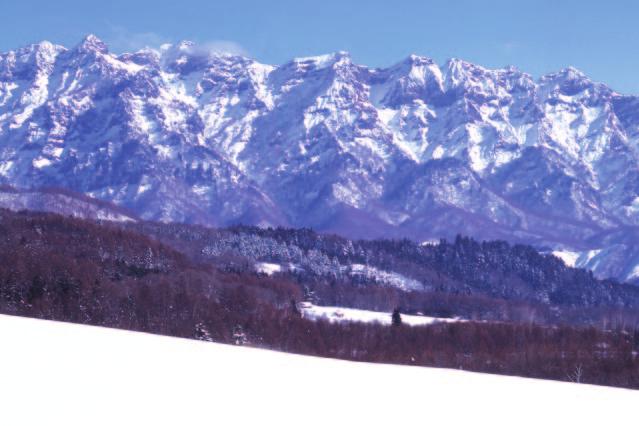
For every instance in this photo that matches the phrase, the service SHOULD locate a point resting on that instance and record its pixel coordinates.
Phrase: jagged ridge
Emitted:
(416, 149)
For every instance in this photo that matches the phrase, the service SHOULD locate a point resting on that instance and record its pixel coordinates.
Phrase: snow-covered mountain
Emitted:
(418, 149)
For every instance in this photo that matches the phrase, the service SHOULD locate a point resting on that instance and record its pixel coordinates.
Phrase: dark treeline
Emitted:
(72, 270)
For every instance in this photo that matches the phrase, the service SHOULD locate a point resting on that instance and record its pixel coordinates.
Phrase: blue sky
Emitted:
(599, 37)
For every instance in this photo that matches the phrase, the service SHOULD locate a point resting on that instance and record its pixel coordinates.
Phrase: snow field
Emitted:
(56, 373)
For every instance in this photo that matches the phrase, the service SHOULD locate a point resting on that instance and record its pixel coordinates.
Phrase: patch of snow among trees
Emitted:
(267, 268)
(390, 278)
(339, 314)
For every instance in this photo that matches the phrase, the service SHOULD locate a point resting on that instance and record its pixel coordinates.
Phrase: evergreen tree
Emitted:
(396, 317)
(202, 332)
(294, 309)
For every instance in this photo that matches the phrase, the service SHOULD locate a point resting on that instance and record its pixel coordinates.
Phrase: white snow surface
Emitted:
(588, 259)
(634, 273)
(56, 373)
(569, 257)
(267, 268)
(339, 314)
(393, 279)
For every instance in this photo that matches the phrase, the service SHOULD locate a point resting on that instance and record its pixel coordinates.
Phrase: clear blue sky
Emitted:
(599, 37)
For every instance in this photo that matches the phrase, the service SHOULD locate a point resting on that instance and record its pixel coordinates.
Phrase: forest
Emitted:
(528, 313)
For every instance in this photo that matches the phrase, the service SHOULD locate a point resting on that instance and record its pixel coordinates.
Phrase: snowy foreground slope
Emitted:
(57, 373)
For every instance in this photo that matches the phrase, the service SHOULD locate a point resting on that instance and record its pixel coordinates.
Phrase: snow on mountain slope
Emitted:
(62, 202)
(81, 374)
(119, 128)
(417, 150)
(570, 258)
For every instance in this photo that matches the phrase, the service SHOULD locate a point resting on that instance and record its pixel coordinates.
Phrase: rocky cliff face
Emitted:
(415, 150)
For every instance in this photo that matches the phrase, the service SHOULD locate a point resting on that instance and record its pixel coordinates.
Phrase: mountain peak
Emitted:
(171, 49)
(568, 74)
(460, 65)
(325, 61)
(91, 43)
(185, 49)
(44, 45)
(46, 48)
(184, 45)
(418, 60)
(572, 72)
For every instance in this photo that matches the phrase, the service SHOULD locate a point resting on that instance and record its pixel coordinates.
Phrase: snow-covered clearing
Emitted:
(267, 268)
(390, 278)
(55, 373)
(337, 314)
